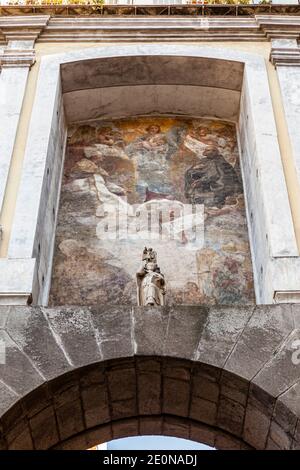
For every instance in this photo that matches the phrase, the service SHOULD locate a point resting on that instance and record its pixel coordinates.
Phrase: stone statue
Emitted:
(150, 281)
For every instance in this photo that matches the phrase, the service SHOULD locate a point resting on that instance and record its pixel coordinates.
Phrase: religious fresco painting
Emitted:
(115, 175)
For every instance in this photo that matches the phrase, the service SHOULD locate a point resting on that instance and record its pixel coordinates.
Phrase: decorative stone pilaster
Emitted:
(16, 58)
(285, 56)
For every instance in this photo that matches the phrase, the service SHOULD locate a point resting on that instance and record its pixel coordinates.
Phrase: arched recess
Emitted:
(123, 81)
(77, 376)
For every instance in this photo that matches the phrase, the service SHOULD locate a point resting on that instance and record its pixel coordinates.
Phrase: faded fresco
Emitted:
(184, 171)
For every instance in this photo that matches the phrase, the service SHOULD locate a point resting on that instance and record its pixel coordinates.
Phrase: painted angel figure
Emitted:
(150, 281)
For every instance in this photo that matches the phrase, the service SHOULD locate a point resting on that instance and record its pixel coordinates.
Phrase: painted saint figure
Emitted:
(150, 281)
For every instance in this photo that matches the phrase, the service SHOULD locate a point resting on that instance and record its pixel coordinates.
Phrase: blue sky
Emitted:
(155, 443)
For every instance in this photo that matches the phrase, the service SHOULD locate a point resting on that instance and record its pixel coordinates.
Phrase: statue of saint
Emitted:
(150, 281)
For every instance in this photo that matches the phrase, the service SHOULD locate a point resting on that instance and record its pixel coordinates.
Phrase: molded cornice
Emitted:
(112, 26)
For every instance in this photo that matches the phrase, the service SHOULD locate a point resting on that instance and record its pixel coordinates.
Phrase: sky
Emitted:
(154, 443)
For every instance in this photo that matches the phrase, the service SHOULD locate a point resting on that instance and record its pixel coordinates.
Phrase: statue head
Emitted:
(149, 255)
(151, 266)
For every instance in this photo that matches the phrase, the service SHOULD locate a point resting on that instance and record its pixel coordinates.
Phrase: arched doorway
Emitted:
(75, 377)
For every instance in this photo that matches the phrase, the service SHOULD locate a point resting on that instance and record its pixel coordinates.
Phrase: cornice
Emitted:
(22, 28)
(149, 28)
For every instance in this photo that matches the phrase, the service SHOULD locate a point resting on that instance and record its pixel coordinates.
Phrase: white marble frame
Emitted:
(271, 232)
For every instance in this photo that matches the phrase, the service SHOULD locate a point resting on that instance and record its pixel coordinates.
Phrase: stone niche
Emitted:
(183, 152)
(167, 182)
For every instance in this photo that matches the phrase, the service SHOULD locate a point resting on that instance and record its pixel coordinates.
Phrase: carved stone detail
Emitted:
(150, 281)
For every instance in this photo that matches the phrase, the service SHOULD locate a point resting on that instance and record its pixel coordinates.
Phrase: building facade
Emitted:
(171, 126)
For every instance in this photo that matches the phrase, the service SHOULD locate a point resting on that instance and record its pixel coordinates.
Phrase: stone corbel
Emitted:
(285, 52)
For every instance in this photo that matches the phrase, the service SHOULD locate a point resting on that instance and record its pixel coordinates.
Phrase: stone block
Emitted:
(279, 436)
(95, 405)
(114, 330)
(8, 399)
(297, 431)
(231, 416)
(296, 445)
(207, 371)
(122, 383)
(63, 383)
(202, 433)
(176, 395)
(289, 401)
(261, 399)
(205, 388)
(145, 364)
(3, 444)
(92, 376)
(124, 408)
(12, 417)
(149, 393)
(286, 419)
(20, 427)
(150, 328)
(70, 418)
(22, 441)
(44, 429)
(31, 332)
(184, 330)
(280, 373)
(17, 371)
(221, 331)
(75, 443)
(151, 425)
(98, 436)
(262, 335)
(176, 369)
(234, 388)
(36, 401)
(66, 395)
(75, 330)
(256, 427)
(176, 427)
(125, 428)
(227, 442)
(203, 410)
(271, 445)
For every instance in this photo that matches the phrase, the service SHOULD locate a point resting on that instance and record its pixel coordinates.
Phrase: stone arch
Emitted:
(76, 376)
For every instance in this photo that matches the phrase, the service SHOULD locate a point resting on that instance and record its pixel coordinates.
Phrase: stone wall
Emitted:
(180, 175)
(73, 377)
